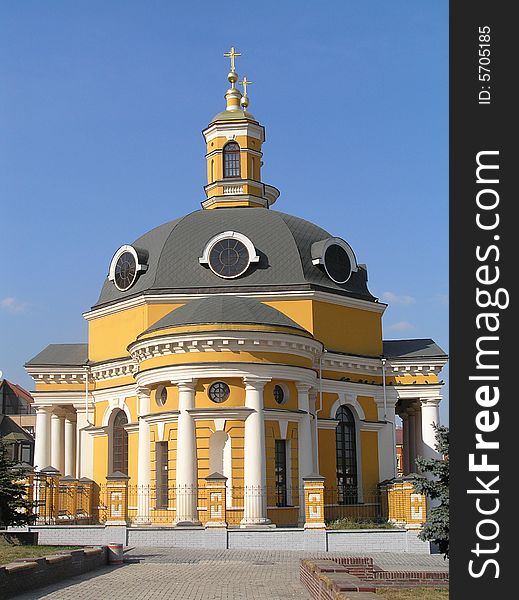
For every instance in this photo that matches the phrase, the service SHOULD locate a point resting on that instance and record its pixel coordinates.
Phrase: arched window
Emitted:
(346, 456)
(120, 443)
(231, 160)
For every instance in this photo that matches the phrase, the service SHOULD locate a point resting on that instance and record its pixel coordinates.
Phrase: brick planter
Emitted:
(27, 574)
(341, 578)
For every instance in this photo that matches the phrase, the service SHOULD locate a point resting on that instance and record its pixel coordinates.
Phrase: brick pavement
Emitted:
(164, 573)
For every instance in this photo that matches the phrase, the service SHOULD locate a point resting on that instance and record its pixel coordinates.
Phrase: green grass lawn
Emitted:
(414, 593)
(9, 553)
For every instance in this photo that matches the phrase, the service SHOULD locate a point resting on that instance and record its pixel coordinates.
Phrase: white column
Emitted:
(430, 417)
(255, 472)
(57, 434)
(187, 467)
(304, 444)
(405, 434)
(42, 438)
(84, 443)
(143, 460)
(70, 445)
(386, 442)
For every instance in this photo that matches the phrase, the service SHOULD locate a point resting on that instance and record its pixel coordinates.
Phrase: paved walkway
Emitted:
(208, 575)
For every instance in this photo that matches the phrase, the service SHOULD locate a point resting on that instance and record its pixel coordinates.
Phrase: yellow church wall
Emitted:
(133, 447)
(268, 395)
(346, 329)
(110, 335)
(171, 402)
(99, 411)
(328, 400)
(115, 382)
(369, 456)
(204, 430)
(369, 407)
(327, 458)
(100, 449)
(224, 357)
(236, 431)
(299, 311)
(353, 377)
(62, 387)
(236, 397)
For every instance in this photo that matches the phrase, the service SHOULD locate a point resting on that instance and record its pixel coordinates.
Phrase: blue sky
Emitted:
(101, 109)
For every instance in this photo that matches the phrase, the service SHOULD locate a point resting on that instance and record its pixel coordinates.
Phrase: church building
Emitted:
(238, 343)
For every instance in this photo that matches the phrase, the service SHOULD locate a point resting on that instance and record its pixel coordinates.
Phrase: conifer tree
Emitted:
(436, 528)
(15, 507)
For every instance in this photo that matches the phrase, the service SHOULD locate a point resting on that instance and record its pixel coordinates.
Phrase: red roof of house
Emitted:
(19, 391)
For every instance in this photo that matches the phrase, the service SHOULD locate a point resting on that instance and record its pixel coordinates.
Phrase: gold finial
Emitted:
(232, 54)
(245, 99)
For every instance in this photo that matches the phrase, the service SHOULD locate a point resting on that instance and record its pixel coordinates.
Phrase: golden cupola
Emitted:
(234, 140)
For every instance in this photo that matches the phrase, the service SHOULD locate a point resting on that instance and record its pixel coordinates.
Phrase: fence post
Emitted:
(216, 502)
(67, 506)
(314, 502)
(405, 506)
(85, 498)
(117, 498)
(49, 494)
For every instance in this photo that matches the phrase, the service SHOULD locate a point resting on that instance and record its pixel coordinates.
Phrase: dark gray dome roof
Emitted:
(220, 309)
(282, 242)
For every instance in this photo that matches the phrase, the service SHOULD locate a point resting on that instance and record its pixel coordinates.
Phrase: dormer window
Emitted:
(231, 160)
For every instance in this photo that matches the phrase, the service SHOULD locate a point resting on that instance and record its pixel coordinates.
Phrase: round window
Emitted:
(279, 394)
(161, 395)
(229, 258)
(337, 263)
(219, 392)
(125, 271)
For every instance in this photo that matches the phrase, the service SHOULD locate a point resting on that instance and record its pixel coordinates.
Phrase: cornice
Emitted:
(225, 341)
(178, 298)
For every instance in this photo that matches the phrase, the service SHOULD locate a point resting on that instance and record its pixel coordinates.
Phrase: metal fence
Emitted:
(75, 502)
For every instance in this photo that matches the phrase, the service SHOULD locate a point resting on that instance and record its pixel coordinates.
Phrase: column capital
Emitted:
(143, 391)
(58, 412)
(303, 387)
(256, 383)
(185, 385)
(42, 408)
(430, 401)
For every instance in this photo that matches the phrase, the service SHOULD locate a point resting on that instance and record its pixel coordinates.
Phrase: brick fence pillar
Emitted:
(216, 504)
(117, 499)
(314, 502)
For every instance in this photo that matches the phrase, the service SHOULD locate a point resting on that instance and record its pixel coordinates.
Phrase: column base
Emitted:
(257, 524)
(187, 523)
(142, 522)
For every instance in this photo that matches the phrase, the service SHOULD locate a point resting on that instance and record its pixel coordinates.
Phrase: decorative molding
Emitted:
(347, 400)
(372, 425)
(226, 341)
(114, 369)
(179, 298)
(176, 373)
(278, 413)
(232, 414)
